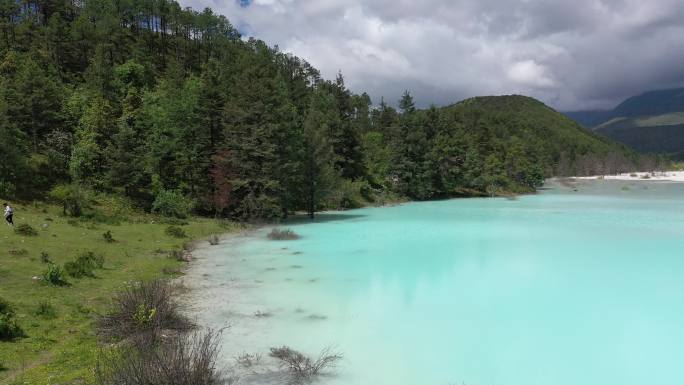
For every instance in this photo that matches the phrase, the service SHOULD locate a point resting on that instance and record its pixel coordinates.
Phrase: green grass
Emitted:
(62, 349)
(671, 119)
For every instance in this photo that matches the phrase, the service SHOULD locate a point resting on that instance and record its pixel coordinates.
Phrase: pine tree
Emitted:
(320, 175)
(257, 117)
(12, 154)
(33, 97)
(126, 155)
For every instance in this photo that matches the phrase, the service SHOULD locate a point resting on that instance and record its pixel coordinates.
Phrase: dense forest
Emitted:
(174, 110)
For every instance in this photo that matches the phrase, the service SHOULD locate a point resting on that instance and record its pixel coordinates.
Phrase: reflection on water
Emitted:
(580, 284)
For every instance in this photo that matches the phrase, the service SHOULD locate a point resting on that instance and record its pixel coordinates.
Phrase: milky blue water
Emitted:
(560, 288)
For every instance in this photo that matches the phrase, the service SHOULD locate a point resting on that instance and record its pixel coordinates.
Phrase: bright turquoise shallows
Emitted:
(561, 288)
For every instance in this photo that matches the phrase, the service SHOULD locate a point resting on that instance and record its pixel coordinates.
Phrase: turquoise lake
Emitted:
(563, 287)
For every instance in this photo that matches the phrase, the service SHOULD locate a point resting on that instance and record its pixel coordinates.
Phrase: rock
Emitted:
(35, 278)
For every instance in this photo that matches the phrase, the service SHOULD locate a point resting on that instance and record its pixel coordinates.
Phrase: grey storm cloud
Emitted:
(569, 53)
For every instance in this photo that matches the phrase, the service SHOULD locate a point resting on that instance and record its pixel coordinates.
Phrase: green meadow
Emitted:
(59, 345)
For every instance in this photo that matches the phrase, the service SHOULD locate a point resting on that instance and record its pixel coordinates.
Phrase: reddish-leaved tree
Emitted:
(221, 175)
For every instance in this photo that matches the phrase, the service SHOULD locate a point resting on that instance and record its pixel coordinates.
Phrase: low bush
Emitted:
(303, 368)
(171, 204)
(262, 314)
(84, 265)
(178, 255)
(18, 252)
(54, 275)
(72, 197)
(282, 235)
(45, 257)
(9, 329)
(7, 189)
(175, 231)
(184, 360)
(247, 360)
(175, 222)
(46, 310)
(25, 229)
(143, 309)
(108, 237)
(214, 239)
(348, 195)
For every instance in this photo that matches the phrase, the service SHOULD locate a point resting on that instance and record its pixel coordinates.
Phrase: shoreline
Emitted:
(241, 293)
(659, 176)
(199, 291)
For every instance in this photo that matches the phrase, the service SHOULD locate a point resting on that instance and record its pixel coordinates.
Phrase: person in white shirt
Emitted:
(8, 214)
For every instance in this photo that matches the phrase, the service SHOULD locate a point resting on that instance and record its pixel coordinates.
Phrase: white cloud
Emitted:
(582, 53)
(530, 74)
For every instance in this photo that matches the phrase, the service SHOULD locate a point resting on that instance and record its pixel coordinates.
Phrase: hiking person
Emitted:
(8, 214)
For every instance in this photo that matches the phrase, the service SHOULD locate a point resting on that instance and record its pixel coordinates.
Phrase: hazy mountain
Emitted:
(590, 118)
(650, 122)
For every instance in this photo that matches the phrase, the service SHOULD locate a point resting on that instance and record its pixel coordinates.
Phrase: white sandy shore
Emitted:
(670, 176)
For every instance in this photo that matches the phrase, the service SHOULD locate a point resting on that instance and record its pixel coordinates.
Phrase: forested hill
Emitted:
(170, 108)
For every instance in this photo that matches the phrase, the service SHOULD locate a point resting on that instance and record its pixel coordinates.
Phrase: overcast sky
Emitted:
(571, 54)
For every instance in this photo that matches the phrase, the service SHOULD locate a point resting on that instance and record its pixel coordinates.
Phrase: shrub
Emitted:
(45, 257)
(184, 360)
(25, 229)
(262, 314)
(349, 195)
(175, 231)
(7, 189)
(214, 239)
(301, 367)
(9, 329)
(108, 237)
(178, 255)
(72, 198)
(54, 275)
(282, 235)
(46, 310)
(145, 308)
(18, 252)
(175, 222)
(84, 265)
(171, 204)
(247, 360)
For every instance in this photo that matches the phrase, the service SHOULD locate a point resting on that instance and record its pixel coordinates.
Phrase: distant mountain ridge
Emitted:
(649, 122)
(590, 118)
(647, 104)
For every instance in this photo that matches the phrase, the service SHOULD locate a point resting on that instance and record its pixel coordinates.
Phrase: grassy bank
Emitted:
(59, 345)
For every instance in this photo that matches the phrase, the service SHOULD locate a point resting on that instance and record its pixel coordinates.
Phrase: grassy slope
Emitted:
(674, 118)
(62, 350)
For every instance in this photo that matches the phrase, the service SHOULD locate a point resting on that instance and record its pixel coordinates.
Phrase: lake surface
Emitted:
(560, 288)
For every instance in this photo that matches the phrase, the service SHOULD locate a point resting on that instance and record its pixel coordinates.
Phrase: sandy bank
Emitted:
(669, 176)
